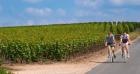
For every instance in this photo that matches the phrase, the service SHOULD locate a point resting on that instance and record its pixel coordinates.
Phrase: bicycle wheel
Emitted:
(112, 58)
(125, 56)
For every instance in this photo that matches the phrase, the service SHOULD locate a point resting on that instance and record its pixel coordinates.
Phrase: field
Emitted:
(26, 44)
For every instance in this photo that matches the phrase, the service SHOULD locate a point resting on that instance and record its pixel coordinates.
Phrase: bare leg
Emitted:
(109, 51)
(127, 50)
(112, 48)
(113, 51)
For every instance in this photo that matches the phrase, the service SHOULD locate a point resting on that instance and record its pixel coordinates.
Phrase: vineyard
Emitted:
(26, 44)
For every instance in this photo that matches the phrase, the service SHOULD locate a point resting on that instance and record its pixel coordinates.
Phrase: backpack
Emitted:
(124, 38)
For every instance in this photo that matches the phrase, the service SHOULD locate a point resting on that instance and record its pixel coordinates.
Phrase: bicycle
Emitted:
(112, 56)
(124, 55)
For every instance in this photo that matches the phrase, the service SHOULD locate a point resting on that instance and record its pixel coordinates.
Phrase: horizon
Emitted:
(58, 24)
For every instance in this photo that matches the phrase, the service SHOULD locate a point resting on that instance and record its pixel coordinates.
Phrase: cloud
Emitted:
(45, 11)
(89, 3)
(133, 2)
(117, 2)
(125, 2)
(33, 1)
(96, 4)
(118, 10)
(61, 11)
(39, 11)
(90, 13)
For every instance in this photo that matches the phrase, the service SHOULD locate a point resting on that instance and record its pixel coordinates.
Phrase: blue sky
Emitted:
(29, 12)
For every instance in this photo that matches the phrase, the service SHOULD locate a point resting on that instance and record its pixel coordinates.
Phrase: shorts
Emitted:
(111, 44)
(124, 44)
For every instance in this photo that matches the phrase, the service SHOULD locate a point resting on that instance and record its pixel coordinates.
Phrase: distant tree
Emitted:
(120, 28)
(131, 27)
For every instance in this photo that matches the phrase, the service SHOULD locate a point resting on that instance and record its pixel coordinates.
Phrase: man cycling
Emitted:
(124, 42)
(110, 43)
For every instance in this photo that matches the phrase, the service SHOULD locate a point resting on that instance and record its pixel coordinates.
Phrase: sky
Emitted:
(37, 12)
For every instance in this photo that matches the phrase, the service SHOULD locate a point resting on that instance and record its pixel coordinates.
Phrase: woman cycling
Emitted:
(124, 42)
(110, 43)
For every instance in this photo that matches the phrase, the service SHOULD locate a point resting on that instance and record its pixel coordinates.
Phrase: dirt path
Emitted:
(81, 66)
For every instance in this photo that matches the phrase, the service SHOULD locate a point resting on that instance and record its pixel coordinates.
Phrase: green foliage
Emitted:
(113, 28)
(131, 27)
(54, 42)
(119, 29)
(106, 27)
(126, 27)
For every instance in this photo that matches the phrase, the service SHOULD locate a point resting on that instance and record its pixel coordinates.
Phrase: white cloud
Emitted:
(133, 2)
(89, 3)
(45, 11)
(61, 11)
(33, 1)
(118, 10)
(90, 13)
(98, 3)
(125, 2)
(117, 2)
(39, 11)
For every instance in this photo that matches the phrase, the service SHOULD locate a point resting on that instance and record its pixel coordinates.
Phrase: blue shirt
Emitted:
(110, 39)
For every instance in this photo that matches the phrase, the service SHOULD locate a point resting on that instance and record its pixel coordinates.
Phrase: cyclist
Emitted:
(110, 43)
(124, 42)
